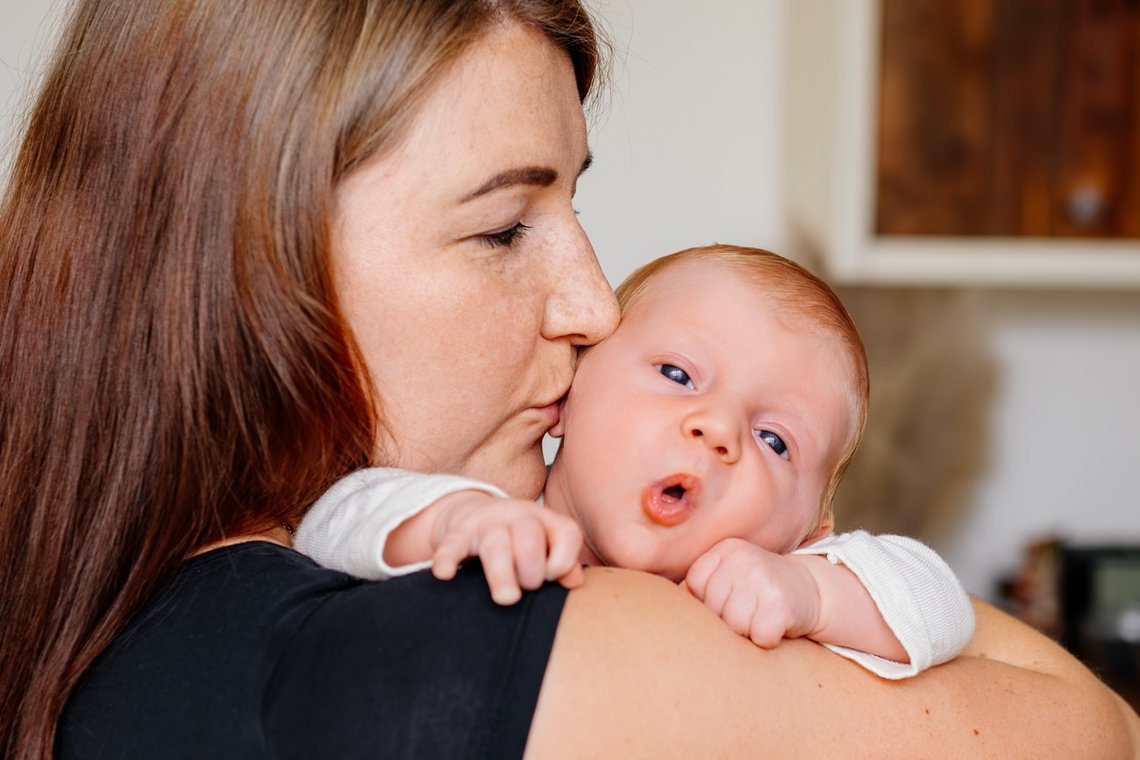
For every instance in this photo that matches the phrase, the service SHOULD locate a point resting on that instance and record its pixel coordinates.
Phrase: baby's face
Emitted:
(708, 414)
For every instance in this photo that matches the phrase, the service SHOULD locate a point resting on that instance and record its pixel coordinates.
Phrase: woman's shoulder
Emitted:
(639, 663)
(254, 649)
(190, 667)
(410, 666)
(414, 667)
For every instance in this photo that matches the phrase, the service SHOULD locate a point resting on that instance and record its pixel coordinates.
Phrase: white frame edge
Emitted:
(851, 252)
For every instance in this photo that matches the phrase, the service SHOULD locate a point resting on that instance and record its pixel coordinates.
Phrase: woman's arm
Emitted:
(641, 669)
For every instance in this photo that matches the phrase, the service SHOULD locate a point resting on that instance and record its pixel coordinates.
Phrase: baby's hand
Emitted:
(764, 596)
(519, 543)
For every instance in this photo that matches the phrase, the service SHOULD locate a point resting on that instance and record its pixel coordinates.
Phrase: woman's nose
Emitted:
(581, 305)
(715, 431)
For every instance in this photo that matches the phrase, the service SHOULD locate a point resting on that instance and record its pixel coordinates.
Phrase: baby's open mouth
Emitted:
(671, 500)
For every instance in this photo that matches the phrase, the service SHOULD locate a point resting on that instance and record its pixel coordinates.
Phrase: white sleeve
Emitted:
(348, 527)
(917, 593)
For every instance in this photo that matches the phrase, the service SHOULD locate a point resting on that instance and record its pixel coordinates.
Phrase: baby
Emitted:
(703, 441)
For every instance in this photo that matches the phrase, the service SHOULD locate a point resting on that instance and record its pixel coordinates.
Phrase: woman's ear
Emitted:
(823, 530)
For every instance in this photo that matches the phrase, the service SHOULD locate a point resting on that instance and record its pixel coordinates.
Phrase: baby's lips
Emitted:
(671, 500)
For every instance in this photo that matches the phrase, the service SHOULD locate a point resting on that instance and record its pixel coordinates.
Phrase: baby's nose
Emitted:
(716, 433)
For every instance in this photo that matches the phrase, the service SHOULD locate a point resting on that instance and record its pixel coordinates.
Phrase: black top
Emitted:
(253, 651)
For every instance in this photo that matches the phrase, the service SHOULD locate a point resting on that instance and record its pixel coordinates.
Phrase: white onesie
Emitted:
(917, 594)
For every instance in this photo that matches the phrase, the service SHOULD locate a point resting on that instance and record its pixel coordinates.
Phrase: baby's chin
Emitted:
(646, 559)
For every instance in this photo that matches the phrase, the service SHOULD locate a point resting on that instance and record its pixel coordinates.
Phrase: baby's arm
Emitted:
(348, 528)
(887, 602)
(913, 591)
(379, 522)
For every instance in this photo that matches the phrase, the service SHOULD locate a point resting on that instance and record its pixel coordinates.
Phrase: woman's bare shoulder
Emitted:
(641, 669)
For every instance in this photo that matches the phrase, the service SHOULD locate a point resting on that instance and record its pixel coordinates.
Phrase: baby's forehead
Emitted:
(703, 284)
(771, 299)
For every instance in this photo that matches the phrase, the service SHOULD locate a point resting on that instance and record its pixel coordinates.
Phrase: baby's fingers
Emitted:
(737, 611)
(700, 572)
(565, 540)
(572, 579)
(453, 549)
(765, 629)
(498, 560)
(529, 541)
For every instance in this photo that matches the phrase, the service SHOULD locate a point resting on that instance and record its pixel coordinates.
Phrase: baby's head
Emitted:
(728, 403)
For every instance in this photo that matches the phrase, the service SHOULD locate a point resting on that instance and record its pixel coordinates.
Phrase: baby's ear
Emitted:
(822, 531)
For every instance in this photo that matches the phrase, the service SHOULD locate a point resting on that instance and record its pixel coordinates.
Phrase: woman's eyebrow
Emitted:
(529, 175)
(542, 176)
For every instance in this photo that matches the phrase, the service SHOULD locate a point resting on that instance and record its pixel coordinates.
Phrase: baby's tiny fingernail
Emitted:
(506, 597)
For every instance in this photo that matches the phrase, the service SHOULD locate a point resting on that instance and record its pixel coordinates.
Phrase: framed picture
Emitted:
(988, 142)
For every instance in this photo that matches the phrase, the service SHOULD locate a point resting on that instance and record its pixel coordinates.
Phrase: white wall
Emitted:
(1066, 448)
(689, 153)
(26, 28)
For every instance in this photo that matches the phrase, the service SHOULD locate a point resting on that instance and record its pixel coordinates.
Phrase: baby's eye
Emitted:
(773, 441)
(676, 374)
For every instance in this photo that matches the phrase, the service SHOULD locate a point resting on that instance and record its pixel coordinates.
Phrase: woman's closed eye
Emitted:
(676, 374)
(506, 238)
(773, 441)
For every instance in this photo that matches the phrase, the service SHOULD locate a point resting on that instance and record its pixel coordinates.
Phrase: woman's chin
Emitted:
(523, 478)
(532, 478)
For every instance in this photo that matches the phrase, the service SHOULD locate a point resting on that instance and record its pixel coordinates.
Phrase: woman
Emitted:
(251, 246)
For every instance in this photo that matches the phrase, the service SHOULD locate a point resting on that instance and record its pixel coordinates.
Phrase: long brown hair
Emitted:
(802, 294)
(173, 365)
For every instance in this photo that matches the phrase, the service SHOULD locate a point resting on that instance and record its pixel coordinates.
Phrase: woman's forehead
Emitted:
(509, 101)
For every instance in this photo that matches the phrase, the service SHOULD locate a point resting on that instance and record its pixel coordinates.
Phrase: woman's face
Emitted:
(462, 269)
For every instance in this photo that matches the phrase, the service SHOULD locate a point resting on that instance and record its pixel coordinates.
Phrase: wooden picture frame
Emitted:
(832, 129)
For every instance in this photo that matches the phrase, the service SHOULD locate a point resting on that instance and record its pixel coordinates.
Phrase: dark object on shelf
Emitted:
(1099, 595)
(1033, 594)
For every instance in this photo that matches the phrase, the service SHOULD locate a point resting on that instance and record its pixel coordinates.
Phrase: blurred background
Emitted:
(967, 173)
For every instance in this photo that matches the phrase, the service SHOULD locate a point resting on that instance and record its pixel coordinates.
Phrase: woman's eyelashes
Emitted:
(506, 238)
(676, 374)
(773, 441)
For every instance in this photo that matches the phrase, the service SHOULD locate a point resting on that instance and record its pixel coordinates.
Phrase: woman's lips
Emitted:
(671, 500)
(549, 413)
